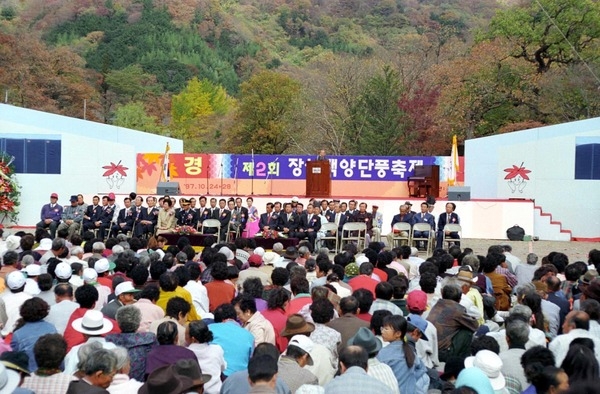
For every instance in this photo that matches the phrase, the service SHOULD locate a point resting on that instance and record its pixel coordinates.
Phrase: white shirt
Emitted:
(199, 296)
(10, 305)
(72, 358)
(60, 313)
(212, 361)
(560, 345)
(536, 338)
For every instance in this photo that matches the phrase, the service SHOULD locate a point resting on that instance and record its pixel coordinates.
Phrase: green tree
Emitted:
(536, 30)
(133, 115)
(268, 109)
(131, 82)
(380, 126)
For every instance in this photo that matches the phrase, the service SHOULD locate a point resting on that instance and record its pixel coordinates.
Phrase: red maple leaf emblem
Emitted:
(515, 171)
(112, 168)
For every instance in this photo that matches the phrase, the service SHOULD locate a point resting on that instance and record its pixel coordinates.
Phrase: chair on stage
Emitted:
(447, 240)
(398, 239)
(422, 227)
(354, 231)
(233, 231)
(328, 228)
(211, 223)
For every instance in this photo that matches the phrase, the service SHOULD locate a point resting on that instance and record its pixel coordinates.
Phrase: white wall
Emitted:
(549, 153)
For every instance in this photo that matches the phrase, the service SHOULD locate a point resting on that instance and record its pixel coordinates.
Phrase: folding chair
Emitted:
(354, 232)
(453, 228)
(398, 239)
(328, 227)
(232, 233)
(211, 223)
(421, 227)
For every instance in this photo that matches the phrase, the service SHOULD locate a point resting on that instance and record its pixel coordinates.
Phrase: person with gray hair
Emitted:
(517, 336)
(83, 353)
(536, 337)
(524, 272)
(122, 383)
(138, 344)
(56, 250)
(98, 370)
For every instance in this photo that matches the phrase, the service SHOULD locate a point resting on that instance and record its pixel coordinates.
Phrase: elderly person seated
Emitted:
(98, 370)
(49, 352)
(138, 344)
(122, 383)
(168, 352)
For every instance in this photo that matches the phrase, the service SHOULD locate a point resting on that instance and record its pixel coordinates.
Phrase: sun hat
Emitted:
(269, 258)
(13, 242)
(259, 251)
(15, 280)
(166, 380)
(466, 276)
(16, 360)
(476, 379)
(417, 321)
(92, 323)
(33, 270)
(290, 253)
(305, 343)
(124, 288)
(89, 275)
(361, 259)
(227, 252)
(63, 271)
(417, 300)
(295, 199)
(117, 249)
(9, 380)
(589, 276)
(491, 365)
(365, 339)
(295, 324)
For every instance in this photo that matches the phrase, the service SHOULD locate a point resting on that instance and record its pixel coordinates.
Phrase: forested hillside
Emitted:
(351, 76)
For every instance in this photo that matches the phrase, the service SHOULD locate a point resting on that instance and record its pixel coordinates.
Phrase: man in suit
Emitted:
(205, 214)
(124, 219)
(213, 208)
(223, 216)
(186, 216)
(105, 219)
(449, 217)
(362, 216)
(423, 217)
(321, 155)
(267, 221)
(241, 214)
(288, 221)
(51, 215)
(310, 224)
(403, 217)
(91, 214)
(330, 211)
(147, 218)
(352, 208)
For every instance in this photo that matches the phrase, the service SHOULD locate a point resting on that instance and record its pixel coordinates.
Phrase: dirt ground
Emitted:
(576, 251)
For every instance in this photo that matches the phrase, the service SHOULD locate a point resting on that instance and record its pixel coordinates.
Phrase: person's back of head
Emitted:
(349, 305)
(86, 296)
(580, 363)
(517, 332)
(49, 351)
(224, 312)
(151, 293)
(451, 292)
(262, 369)
(484, 342)
(364, 298)
(353, 356)
(384, 291)
(428, 282)
(168, 281)
(299, 285)
(177, 307)
(532, 259)
(366, 269)
(578, 319)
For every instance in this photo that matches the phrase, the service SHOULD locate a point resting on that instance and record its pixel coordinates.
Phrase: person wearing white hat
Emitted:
(32, 271)
(123, 296)
(11, 302)
(93, 325)
(103, 267)
(491, 365)
(291, 365)
(90, 277)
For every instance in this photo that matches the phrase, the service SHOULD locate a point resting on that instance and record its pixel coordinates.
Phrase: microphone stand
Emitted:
(221, 177)
(207, 175)
(235, 175)
(253, 169)
(267, 178)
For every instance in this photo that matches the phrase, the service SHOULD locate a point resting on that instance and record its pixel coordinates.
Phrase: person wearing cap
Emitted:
(471, 298)
(10, 302)
(17, 362)
(72, 217)
(255, 262)
(32, 272)
(186, 216)
(92, 326)
(99, 370)
(103, 267)
(354, 378)
(416, 303)
(291, 365)
(49, 352)
(166, 380)
(124, 293)
(491, 365)
(366, 340)
(51, 215)
(10, 380)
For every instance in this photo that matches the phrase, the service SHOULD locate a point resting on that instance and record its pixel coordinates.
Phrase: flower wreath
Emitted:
(9, 189)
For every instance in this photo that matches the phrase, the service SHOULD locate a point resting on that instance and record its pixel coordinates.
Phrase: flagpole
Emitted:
(252, 184)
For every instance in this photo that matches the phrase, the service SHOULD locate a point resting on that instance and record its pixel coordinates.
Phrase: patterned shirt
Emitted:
(57, 383)
(384, 374)
(356, 380)
(510, 278)
(449, 317)
(385, 305)
(327, 337)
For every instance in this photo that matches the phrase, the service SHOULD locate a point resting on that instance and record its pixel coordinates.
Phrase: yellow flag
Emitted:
(454, 165)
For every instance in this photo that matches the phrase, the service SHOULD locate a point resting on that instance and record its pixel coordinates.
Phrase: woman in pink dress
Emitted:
(253, 217)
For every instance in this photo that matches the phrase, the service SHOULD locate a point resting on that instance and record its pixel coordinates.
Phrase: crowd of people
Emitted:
(85, 312)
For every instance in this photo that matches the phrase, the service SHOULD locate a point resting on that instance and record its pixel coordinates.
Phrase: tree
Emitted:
(269, 104)
(535, 31)
(133, 116)
(380, 126)
(132, 83)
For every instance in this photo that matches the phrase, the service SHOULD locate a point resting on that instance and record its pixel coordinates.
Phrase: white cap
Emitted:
(269, 258)
(491, 364)
(33, 270)
(259, 251)
(63, 271)
(101, 265)
(125, 287)
(227, 252)
(89, 275)
(13, 242)
(295, 199)
(117, 249)
(305, 343)
(45, 244)
(361, 259)
(15, 280)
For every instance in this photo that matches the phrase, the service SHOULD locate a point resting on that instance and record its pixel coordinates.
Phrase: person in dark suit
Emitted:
(423, 217)
(321, 155)
(288, 220)
(267, 220)
(186, 216)
(100, 369)
(310, 224)
(106, 216)
(223, 216)
(92, 213)
(147, 218)
(214, 210)
(403, 217)
(124, 220)
(241, 214)
(362, 216)
(449, 217)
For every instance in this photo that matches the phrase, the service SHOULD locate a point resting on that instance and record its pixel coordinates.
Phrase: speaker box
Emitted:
(459, 193)
(168, 188)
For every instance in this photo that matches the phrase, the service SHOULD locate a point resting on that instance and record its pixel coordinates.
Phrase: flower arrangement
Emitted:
(269, 234)
(9, 189)
(185, 230)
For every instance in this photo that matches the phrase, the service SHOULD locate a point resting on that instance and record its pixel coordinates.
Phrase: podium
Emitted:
(318, 178)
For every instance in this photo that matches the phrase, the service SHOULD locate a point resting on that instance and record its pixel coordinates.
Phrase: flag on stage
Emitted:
(454, 165)
(166, 175)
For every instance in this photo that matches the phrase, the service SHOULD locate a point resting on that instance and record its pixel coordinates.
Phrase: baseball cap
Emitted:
(103, 265)
(255, 260)
(418, 322)
(89, 275)
(63, 271)
(54, 195)
(361, 259)
(111, 196)
(408, 203)
(73, 198)
(15, 280)
(125, 287)
(305, 343)
(33, 270)
(417, 300)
